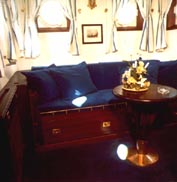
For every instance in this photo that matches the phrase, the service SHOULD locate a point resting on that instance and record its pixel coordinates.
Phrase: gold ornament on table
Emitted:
(134, 79)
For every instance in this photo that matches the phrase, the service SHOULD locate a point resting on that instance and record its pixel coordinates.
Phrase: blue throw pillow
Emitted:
(34, 68)
(74, 81)
(43, 83)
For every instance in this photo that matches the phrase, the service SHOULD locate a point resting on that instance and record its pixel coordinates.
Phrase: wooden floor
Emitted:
(99, 162)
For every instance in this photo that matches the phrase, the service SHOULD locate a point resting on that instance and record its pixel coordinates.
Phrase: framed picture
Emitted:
(92, 33)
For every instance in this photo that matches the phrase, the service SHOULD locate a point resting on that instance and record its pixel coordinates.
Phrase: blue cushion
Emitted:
(96, 74)
(106, 75)
(34, 68)
(168, 74)
(57, 104)
(43, 83)
(111, 74)
(100, 97)
(74, 81)
(152, 70)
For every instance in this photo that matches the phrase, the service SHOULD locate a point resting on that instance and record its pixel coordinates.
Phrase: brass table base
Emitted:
(142, 156)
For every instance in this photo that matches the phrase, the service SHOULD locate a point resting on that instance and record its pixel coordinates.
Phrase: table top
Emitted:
(155, 93)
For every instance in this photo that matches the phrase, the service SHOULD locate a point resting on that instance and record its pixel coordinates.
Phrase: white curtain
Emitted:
(19, 34)
(69, 9)
(119, 8)
(112, 42)
(2, 41)
(163, 8)
(147, 39)
(10, 32)
(31, 41)
(1, 64)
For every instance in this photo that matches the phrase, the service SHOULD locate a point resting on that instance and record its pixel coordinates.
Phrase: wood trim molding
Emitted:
(53, 29)
(171, 17)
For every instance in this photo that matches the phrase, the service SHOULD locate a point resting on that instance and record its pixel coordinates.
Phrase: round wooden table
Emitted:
(144, 106)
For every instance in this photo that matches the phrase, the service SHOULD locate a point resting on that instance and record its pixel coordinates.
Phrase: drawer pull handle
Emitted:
(56, 131)
(106, 124)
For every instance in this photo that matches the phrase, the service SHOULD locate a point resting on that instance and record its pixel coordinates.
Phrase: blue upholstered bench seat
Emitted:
(100, 97)
(84, 85)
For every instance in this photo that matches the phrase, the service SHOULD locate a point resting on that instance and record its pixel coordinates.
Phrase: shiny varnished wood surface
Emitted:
(14, 128)
(145, 107)
(150, 96)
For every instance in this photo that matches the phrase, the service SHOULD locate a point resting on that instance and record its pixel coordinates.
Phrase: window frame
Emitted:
(53, 29)
(139, 23)
(48, 28)
(171, 17)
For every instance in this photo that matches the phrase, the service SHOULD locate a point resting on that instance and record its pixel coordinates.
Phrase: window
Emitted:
(129, 18)
(51, 18)
(172, 16)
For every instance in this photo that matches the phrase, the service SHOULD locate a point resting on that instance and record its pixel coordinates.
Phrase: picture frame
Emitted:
(92, 33)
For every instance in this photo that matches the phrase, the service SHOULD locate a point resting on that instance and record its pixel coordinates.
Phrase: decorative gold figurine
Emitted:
(91, 4)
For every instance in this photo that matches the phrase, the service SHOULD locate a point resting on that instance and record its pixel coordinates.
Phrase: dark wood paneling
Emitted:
(14, 114)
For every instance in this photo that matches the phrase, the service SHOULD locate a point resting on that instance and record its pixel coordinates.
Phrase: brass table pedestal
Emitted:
(143, 155)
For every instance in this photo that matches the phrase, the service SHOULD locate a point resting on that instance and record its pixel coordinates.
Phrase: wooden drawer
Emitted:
(75, 125)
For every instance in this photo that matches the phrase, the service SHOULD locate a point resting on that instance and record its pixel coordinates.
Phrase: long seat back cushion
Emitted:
(59, 85)
(168, 73)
